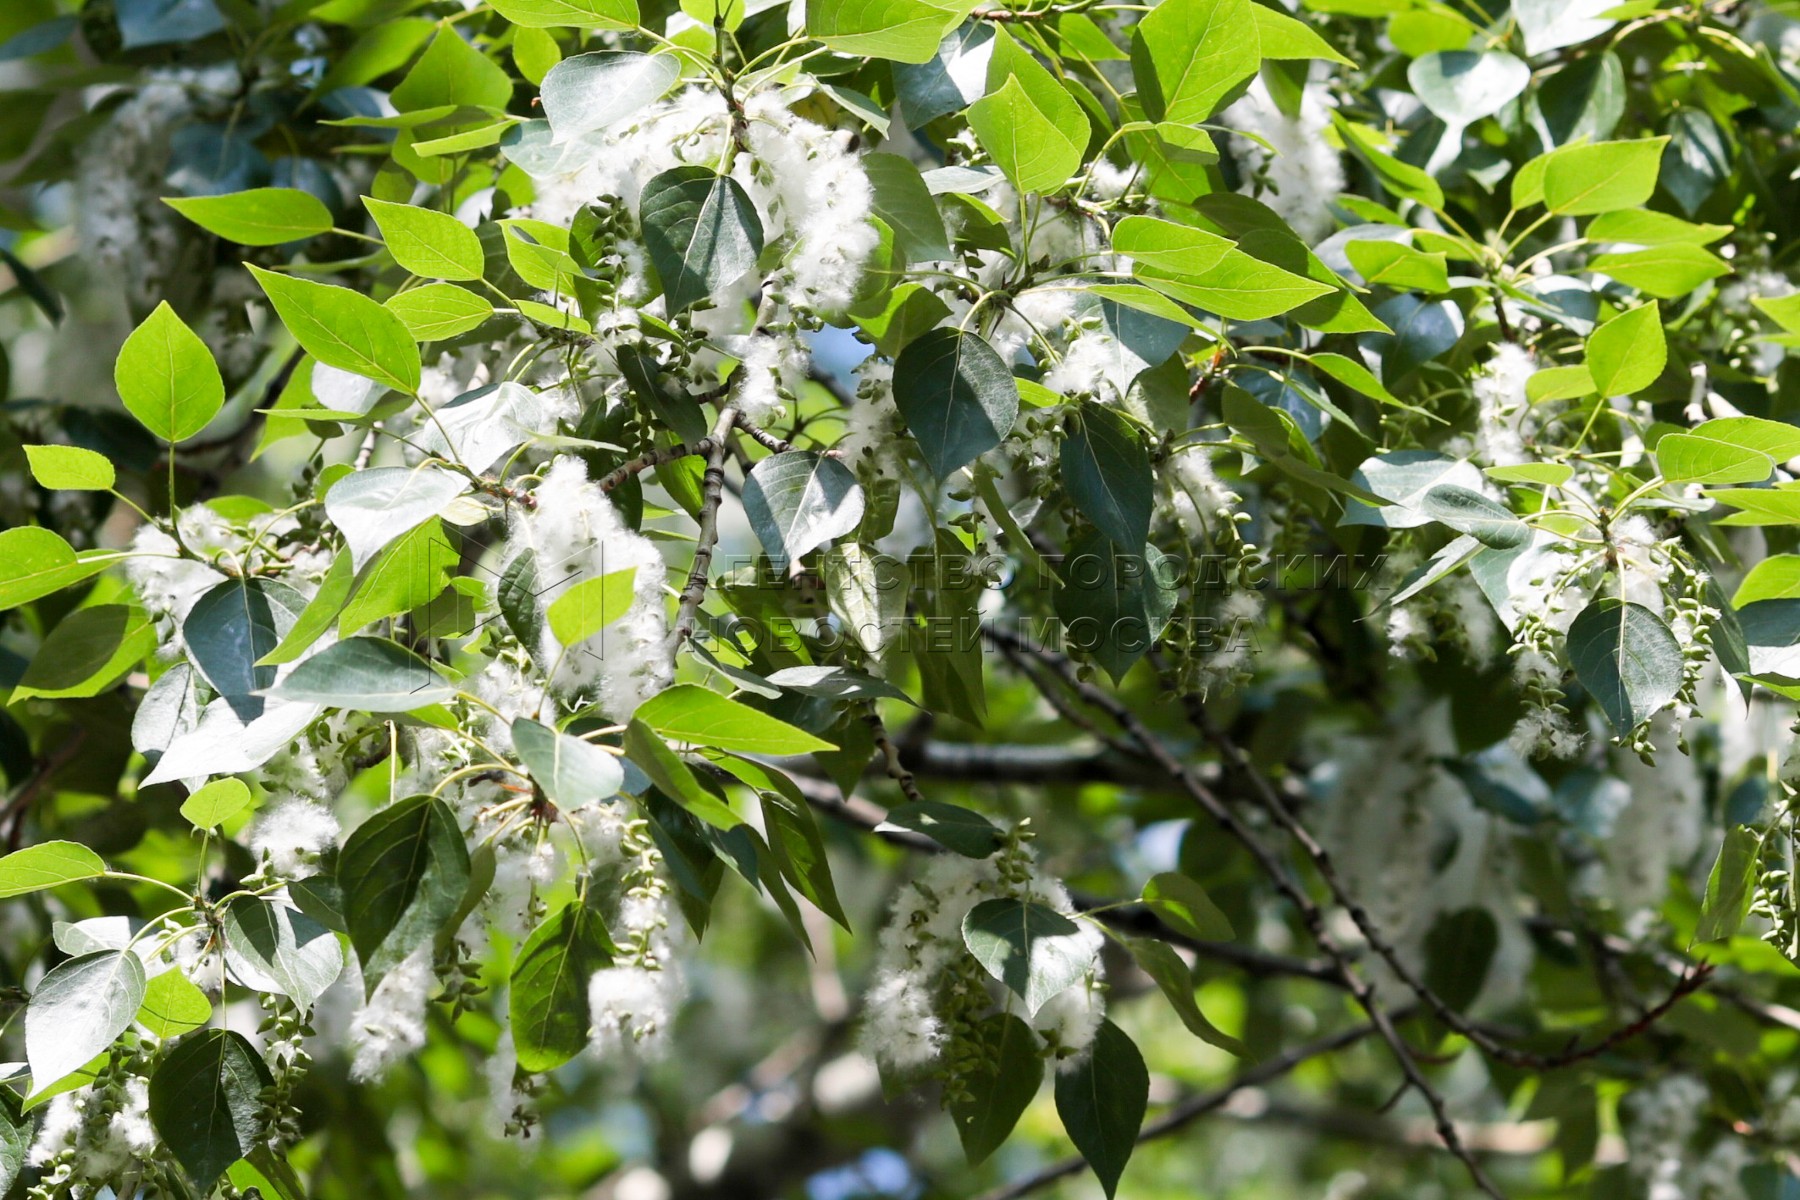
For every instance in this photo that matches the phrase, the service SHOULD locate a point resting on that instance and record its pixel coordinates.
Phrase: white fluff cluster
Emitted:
(766, 365)
(922, 937)
(1305, 175)
(872, 426)
(167, 585)
(107, 1130)
(1658, 832)
(1644, 562)
(633, 1008)
(577, 535)
(1502, 407)
(1662, 1117)
(291, 834)
(391, 1024)
(903, 1029)
(524, 866)
(813, 188)
(126, 233)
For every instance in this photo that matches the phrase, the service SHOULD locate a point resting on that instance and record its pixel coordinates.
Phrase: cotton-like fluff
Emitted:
(391, 1025)
(167, 584)
(1305, 174)
(1661, 1118)
(291, 834)
(808, 184)
(107, 1131)
(765, 364)
(633, 1008)
(577, 535)
(1659, 831)
(923, 935)
(1502, 408)
(872, 426)
(505, 1100)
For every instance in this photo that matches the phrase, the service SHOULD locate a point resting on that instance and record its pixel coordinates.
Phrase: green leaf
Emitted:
(798, 501)
(571, 772)
(1185, 907)
(232, 628)
(835, 683)
(173, 1006)
(269, 216)
(452, 72)
(1462, 86)
(1731, 885)
(318, 614)
(693, 714)
(674, 778)
(366, 673)
(70, 468)
(1643, 227)
(956, 396)
(409, 573)
(1238, 286)
(1106, 470)
(1398, 266)
(1626, 354)
(47, 865)
(344, 329)
(1035, 131)
(701, 231)
(17, 1132)
(1552, 24)
(906, 204)
(1401, 178)
(1114, 604)
(1284, 38)
(374, 506)
(77, 1010)
(589, 92)
(1727, 450)
(1169, 248)
(1665, 272)
(1101, 1101)
(999, 1085)
(580, 14)
(274, 947)
(216, 803)
(1459, 952)
(793, 834)
(1627, 660)
(951, 826)
(1188, 55)
(905, 31)
(1548, 474)
(206, 1103)
(1774, 578)
(591, 605)
(1468, 511)
(35, 562)
(438, 311)
(404, 872)
(547, 1000)
(87, 653)
(1035, 951)
(430, 244)
(167, 377)
(1159, 961)
(1602, 176)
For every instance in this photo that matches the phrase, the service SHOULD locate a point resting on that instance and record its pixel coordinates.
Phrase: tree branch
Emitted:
(712, 488)
(1311, 915)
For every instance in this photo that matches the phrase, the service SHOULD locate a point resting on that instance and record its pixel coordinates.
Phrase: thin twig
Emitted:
(1270, 799)
(1310, 913)
(712, 489)
(653, 458)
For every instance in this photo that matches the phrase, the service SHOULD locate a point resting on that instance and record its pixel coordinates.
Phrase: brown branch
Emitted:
(653, 458)
(712, 488)
(1310, 913)
(890, 757)
(1185, 1112)
(1270, 799)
